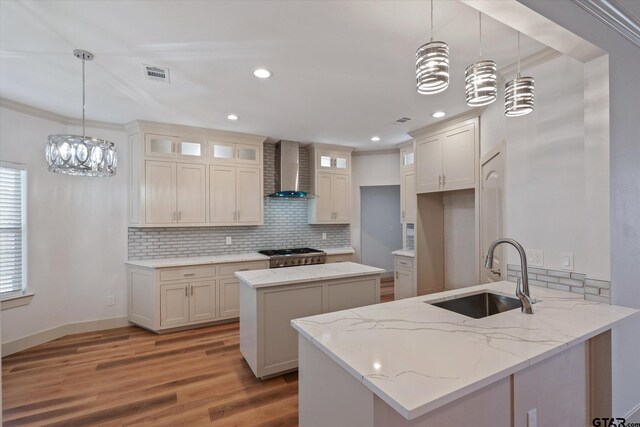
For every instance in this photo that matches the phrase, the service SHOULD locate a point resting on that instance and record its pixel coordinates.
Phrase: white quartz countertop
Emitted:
(417, 357)
(403, 252)
(304, 274)
(339, 251)
(200, 260)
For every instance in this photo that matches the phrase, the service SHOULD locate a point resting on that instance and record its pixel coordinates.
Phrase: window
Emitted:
(12, 229)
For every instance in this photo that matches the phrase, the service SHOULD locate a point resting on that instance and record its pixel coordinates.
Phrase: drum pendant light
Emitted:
(518, 93)
(432, 65)
(481, 80)
(81, 155)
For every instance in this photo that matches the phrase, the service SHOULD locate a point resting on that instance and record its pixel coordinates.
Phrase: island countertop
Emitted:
(418, 357)
(304, 274)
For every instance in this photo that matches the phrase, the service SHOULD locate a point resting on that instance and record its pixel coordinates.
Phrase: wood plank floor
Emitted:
(129, 376)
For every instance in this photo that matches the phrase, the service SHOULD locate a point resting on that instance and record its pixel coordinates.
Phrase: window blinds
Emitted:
(12, 229)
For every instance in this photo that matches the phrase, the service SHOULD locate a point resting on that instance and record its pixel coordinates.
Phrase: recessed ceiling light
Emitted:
(375, 138)
(262, 73)
(438, 114)
(232, 117)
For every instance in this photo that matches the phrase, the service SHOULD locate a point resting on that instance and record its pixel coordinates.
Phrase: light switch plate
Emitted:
(324, 236)
(535, 258)
(566, 261)
(228, 240)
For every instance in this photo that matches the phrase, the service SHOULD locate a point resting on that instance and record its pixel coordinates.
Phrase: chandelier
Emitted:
(81, 155)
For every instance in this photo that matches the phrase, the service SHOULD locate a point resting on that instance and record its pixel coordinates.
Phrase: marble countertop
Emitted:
(417, 357)
(304, 274)
(339, 251)
(217, 259)
(403, 252)
(200, 260)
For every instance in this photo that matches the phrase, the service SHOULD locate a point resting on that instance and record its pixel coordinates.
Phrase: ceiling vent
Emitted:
(156, 73)
(402, 120)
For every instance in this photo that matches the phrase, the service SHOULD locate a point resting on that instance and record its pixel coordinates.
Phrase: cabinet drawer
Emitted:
(229, 269)
(187, 273)
(402, 262)
(339, 258)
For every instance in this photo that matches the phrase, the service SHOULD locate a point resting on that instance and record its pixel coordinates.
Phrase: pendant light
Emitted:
(432, 65)
(481, 80)
(81, 155)
(518, 93)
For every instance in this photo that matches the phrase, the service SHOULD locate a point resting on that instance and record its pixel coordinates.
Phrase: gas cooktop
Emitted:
(294, 257)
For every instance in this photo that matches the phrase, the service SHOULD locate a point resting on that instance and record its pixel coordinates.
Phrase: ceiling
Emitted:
(343, 71)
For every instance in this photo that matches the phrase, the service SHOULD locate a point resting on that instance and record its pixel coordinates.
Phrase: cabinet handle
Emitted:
(186, 291)
(189, 274)
(439, 181)
(191, 287)
(443, 180)
(396, 274)
(402, 214)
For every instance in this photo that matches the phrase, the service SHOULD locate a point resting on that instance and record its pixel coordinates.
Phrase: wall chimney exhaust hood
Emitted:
(287, 178)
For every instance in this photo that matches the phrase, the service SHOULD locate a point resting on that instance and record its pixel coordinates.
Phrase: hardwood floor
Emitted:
(130, 376)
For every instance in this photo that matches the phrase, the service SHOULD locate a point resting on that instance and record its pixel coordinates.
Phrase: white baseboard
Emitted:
(634, 415)
(60, 331)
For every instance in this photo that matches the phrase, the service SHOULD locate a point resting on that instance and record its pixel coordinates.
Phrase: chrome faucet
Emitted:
(522, 288)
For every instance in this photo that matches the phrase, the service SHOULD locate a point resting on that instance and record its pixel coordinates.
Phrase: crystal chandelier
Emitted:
(481, 79)
(81, 155)
(518, 93)
(432, 65)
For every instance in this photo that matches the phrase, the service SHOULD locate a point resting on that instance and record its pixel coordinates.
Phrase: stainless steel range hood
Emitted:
(287, 178)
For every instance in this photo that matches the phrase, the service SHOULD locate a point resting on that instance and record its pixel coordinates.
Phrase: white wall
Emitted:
(381, 229)
(370, 168)
(460, 264)
(77, 232)
(624, 145)
(545, 165)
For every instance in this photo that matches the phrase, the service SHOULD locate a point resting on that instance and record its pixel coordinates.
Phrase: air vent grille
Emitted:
(156, 73)
(403, 120)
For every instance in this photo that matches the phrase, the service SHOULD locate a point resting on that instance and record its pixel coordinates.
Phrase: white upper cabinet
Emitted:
(183, 176)
(448, 159)
(407, 184)
(330, 177)
(333, 161)
(407, 158)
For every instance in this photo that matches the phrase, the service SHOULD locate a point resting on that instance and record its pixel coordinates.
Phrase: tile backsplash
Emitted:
(593, 290)
(285, 226)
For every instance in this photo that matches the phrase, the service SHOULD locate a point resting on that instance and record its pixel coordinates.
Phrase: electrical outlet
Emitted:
(535, 258)
(228, 240)
(324, 236)
(566, 261)
(111, 300)
(532, 418)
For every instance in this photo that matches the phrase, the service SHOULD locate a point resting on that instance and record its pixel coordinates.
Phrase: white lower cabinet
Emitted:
(267, 341)
(403, 278)
(165, 298)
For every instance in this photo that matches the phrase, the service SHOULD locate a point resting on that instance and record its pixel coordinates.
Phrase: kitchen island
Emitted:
(271, 298)
(410, 363)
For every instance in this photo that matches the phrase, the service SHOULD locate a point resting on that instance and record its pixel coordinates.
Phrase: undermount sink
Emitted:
(479, 305)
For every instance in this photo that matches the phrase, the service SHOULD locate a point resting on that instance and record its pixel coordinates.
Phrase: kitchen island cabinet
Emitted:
(410, 363)
(270, 299)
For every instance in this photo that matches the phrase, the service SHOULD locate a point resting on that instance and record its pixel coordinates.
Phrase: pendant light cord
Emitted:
(431, 20)
(83, 103)
(518, 53)
(480, 32)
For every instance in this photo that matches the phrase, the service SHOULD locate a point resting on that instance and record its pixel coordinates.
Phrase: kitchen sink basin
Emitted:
(479, 305)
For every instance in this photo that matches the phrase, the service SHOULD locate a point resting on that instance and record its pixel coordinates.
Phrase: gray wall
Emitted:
(285, 226)
(380, 227)
(624, 63)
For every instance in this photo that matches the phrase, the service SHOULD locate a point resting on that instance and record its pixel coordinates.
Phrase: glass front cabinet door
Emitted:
(160, 145)
(331, 161)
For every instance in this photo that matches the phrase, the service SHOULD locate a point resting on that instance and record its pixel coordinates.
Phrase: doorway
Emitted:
(381, 227)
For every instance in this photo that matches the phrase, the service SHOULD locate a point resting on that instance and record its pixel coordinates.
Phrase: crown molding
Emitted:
(54, 117)
(615, 16)
(382, 150)
(469, 115)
